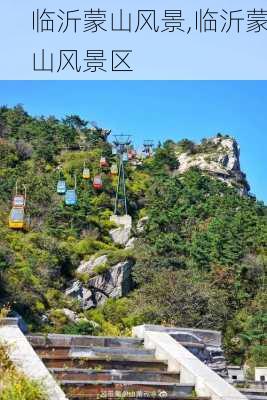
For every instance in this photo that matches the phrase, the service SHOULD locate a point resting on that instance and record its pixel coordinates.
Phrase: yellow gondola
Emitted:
(86, 173)
(17, 218)
(114, 169)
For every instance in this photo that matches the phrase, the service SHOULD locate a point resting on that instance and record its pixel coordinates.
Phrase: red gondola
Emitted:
(97, 182)
(19, 200)
(103, 162)
(131, 154)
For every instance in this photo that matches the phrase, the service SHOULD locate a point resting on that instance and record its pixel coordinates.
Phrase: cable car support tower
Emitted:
(121, 143)
(148, 147)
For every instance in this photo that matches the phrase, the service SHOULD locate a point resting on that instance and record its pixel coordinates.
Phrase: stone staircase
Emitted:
(88, 367)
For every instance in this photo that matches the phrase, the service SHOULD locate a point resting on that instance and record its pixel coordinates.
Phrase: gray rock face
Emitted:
(71, 315)
(130, 244)
(120, 235)
(75, 318)
(220, 159)
(113, 283)
(140, 227)
(88, 266)
(124, 220)
(80, 293)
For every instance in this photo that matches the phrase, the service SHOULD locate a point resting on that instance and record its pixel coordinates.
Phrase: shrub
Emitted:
(83, 327)
(116, 256)
(4, 311)
(14, 384)
(101, 269)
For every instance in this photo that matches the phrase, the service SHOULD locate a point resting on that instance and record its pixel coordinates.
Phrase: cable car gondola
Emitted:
(97, 182)
(103, 162)
(61, 184)
(131, 154)
(71, 195)
(61, 187)
(114, 169)
(19, 200)
(17, 218)
(114, 151)
(86, 172)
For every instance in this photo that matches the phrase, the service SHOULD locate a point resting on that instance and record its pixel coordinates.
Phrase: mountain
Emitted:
(195, 254)
(218, 156)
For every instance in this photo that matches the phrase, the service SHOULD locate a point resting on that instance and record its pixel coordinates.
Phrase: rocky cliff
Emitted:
(219, 156)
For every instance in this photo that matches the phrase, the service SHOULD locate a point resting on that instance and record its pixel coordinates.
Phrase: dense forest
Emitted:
(200, 261)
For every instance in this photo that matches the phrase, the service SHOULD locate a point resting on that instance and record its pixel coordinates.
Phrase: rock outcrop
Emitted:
(89, 266)
(218, 156)
(71, 315)
(78, 291)
(131, 243)
(113, 283)
(121, 235)
(140, 227)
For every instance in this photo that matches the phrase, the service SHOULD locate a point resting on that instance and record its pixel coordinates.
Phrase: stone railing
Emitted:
(24, 358)
(192, 371)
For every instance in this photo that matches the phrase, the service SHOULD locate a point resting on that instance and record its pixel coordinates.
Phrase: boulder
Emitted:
(124, 220)
(113, 283)
(71, 315)
(140, 227)
(130, 244)
(44, 319)
(120, 235)
(88, 266)
(80, 293)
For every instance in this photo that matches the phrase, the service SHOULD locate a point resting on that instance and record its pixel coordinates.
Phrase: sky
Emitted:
(160, 110)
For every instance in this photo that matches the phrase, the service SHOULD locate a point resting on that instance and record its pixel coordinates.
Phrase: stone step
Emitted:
(96, 356)
(88, 397)
(100, 388)
(105, 363)
(77, 374)
(255, 397)
(91, 351)
(254, 393)
(78, 340)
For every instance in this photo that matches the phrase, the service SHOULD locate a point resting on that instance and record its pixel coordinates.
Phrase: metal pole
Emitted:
(121, 142)
(25, 193)
(124, 189)
(118, 187)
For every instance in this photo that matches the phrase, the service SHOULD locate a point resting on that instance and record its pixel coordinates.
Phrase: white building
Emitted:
(261, 374)
(235, 373)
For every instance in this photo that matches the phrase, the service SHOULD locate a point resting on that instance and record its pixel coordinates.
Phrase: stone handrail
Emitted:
(191, 369)
(24, 358)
